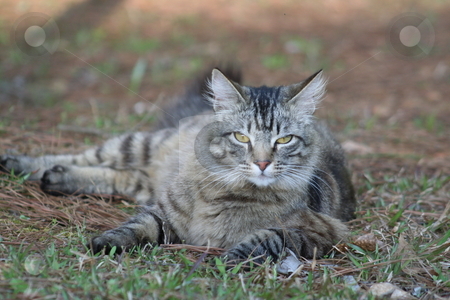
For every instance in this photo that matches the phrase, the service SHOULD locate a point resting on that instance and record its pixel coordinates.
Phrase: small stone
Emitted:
(418, 291)
(351, 282)
(387, 290)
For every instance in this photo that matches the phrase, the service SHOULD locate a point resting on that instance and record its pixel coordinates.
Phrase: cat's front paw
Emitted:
(57, 181)
(107, 242)
(239, 254)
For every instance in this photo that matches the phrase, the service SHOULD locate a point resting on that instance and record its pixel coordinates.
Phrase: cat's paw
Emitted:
(58, 181)
(237, 255)
(233, 258)
(20, 164)
(8, 163)
(107, 242)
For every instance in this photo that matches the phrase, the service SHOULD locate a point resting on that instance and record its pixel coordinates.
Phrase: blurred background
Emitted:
(111, 60)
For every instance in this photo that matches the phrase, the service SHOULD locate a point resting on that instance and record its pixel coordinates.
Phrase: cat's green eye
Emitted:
(241, 138)
(284, 140)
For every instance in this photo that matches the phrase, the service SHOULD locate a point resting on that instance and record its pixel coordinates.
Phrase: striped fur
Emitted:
(284, 184)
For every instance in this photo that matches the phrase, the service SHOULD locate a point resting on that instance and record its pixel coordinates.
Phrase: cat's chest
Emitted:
(225, 224)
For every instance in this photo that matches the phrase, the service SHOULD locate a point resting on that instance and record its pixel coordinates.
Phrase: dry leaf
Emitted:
(368, 242)
(290, 264)
(342, 248)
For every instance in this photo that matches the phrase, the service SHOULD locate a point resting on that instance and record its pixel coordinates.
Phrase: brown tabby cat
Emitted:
(255, 174)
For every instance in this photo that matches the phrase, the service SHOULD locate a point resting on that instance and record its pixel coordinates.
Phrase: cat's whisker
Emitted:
(211, 174)
(230, 183)
(212, 170)
(312, 183)
(217, 180)
(294, 181)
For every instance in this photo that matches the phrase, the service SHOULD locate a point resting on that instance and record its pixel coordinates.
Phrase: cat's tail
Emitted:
(192, 102)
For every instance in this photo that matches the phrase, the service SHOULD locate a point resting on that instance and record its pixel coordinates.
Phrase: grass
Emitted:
(137, 75)
(275, 61)
(140, 45)
(430, 123)
(408, 246)
(311, 50)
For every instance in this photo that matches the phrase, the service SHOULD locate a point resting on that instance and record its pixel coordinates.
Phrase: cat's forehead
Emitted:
(265, 105)
(264, 95)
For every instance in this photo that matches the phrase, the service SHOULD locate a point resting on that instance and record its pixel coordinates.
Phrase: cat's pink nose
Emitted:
(263, 164)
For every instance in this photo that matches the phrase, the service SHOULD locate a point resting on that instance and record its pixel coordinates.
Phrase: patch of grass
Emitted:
(109, 66)
(187, 20)
(369, 123)
(183, 39)
(430, 123)
(42, 95)
(17, 58)
(401, 212)
(310, 48)
(91, 41)
(42, 70)
(4, 123)
(275, 61)
(168, 72)
(351, 125)
(140, 45)
(4, 38)
(88, 142)
(90, 37)
(67, 272)
(137, 75)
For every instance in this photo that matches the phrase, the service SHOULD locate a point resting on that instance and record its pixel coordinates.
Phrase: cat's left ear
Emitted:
(308, 93)
(226, 94)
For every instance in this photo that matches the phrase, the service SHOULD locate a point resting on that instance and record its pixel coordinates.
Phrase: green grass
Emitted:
(410, 248)
(90, 38)
(65, 272)
(139, 45)
(137, 75)
(275, 61)
(430, 123)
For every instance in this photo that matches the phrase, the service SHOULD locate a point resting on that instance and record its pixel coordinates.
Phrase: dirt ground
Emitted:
(389, 109)
(394, 105)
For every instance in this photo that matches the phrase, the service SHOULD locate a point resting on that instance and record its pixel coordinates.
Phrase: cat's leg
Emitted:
(148, 226)
(128, 151)
(35, 166)
(125, 151)
(306, 234)
(97, 180)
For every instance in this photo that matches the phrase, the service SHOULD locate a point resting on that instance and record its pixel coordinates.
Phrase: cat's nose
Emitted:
(262, 164)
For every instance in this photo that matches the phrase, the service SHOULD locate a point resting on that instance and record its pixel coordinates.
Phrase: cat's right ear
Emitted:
(308, 93)
(226, 95)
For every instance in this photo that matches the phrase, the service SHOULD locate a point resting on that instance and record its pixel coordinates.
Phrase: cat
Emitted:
(247, 169)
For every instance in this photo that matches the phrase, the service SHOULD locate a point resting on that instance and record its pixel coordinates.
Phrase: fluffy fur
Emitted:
(255, 174)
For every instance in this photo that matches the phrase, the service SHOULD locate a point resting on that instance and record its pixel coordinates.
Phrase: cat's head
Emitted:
(264, 134)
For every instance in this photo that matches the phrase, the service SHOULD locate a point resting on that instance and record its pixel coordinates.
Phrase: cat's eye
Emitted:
(284, 140)
(241, 138)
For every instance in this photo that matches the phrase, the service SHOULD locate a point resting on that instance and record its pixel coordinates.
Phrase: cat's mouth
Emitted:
(262, 180)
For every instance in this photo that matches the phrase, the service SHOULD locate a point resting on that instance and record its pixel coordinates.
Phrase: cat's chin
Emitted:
(262, 180)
